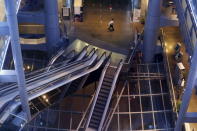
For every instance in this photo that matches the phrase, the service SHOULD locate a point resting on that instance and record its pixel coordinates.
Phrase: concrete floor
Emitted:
(96, 18)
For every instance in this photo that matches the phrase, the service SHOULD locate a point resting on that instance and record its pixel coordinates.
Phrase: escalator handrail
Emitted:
(56, 57)
(60, 64)
(76, 63)
(111, 93)
(29, 82)
(82, 69)
(99, 63)
(37, 94)
(45, 78)
(111, 112)
(59, 54)
(97, 92)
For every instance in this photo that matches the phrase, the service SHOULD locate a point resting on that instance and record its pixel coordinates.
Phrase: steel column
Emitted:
(17, 56)
(151, 29)
(52, 30)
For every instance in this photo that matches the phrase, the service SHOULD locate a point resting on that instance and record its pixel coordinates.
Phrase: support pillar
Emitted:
(52, 30)
(151, 31)
(17, 56)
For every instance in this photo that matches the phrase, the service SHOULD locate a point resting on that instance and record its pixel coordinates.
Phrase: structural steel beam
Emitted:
(4, 29)
(17, 56)
(8, 76)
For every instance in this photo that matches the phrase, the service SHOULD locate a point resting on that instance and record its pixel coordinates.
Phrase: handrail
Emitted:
(110, 116)
(72, 54)
(81, 56)
(111, 93)
(50, 66)
(40, 81)
(170, 83)
(97, 92)
(85, 113)
(52, 72)
(137, 43)
(54, 65)
(41, 91)
(184, 23)
(54, 58)
(68, 80)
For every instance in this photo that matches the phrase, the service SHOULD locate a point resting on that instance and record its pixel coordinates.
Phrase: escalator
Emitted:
(41, 82)
(67, 57)
(104, 92)
(73, 86)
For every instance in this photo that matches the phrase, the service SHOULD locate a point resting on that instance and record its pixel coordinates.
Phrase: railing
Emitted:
(137, 42)
(83, 120)
(112, 110)
(185, 30)
(119, 67)
(36, 75)
(37, 90)
(97, 92)
(168, 74)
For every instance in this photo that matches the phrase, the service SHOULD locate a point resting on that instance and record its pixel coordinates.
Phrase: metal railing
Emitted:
(41, 73)
(83, 119)
(137, 42)
(119, 67)
(97, 92)
(185, 30)
(112, 110)
(40, 89)
(168, 74)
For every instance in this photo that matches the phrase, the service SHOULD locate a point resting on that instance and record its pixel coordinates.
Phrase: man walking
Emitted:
(111, 25)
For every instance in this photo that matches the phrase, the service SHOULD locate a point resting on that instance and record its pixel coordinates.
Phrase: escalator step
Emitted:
(100, 107)
(93, 125)
(95, 121)
(99, 114)
(103, 100)
(109, 76)
(104, 91)
(103, 95)
(108, 88)
(100, 103)
(98, 110)
(108, 79)
(96, 118)
(107, 84)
